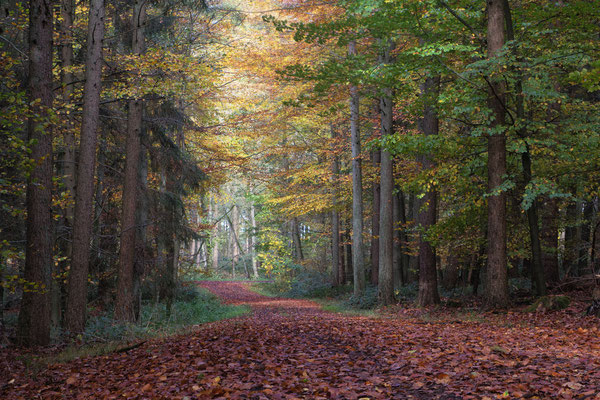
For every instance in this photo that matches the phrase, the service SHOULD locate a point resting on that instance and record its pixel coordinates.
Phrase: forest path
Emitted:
(291, 349)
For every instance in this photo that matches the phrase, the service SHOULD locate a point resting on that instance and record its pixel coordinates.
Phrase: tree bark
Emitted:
(253, 244)
(585, 242)
(348, 272)
(358, 266)
(428, 288)
(34, 315)
(214, 239)
(336, 262)
(386, 209)
(496, 275)
(403, 238)
(82, 227)
(66, 61)
(397, 242)
(549, 238)
(532, 212)
(386, 213)
(295, 226)
(124, 307)
(571, 240)
(376, 158)
(234, 224)
(141, 222)
(66, 160)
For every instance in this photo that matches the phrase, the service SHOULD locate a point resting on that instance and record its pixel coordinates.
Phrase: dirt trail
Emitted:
(291, 349)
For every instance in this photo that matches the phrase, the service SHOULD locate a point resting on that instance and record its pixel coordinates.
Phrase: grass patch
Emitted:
(268, 289)
(103, 335)
(342, 307)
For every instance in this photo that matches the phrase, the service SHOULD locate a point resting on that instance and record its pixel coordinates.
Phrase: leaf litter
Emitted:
(291, 349)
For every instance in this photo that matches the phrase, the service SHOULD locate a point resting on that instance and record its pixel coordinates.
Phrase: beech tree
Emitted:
(386, 212)
(497, 272)
(357, 195)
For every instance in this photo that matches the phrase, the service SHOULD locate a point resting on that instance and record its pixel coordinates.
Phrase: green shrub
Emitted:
(365, 302)
(549, 303)
(192, 306)
(408, 292)
(309, 283)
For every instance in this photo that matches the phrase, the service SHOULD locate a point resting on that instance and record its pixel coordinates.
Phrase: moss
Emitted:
(549, 303)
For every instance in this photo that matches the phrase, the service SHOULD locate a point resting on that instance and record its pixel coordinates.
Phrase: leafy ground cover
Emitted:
(292, 349)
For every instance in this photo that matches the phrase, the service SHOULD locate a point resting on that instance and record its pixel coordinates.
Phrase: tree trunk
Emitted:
(496, 275)
(66, 160)
(215, 239)
(295, 227)
(532, 212)
(571, 240)
(141, 222)
(124, 307)
(451, 273)
(386, 213)
(403, 238)
(82, 227)
(234, 225)
(337, 264)
(34, 315)
(253, 244)
(348, 272)
(358, 258)
(549, 238)
(386, 209)
(413, 261)
(376, 158)
(397, 242)
(584, 242)
(428, 290)
(66, 61)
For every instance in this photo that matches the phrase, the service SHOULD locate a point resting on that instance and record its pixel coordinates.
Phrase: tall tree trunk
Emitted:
(428, 288)
(532, 211)
(549, 238)
(234, 225)
(358, 258)
(451, 272)
(34, 316)
(214, 239)
(66, 61)
(67, 157)
(253, 244)
(295, 227)
(386, 210)
(571, 240)
(413, 261)
(386, 213)
(397, 242)
(141, 222)
(348, 272)
(376, 158)
(124, 307)
(584, 242)
(402, 237)
(497, 274)
(82, 228)
(337, 264)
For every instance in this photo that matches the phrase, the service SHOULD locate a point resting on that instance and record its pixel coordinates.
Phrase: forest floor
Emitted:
(292, 349)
